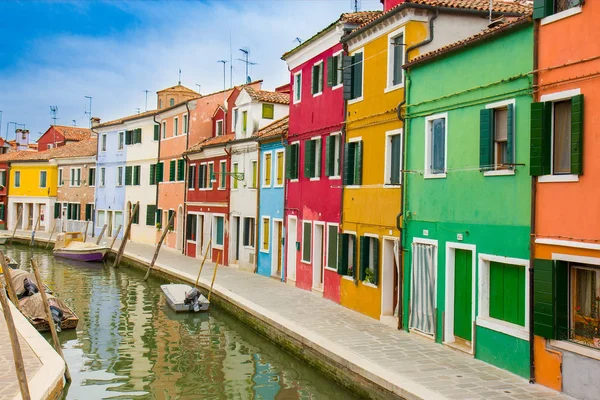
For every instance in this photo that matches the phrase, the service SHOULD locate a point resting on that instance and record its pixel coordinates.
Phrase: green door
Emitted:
(463, 269)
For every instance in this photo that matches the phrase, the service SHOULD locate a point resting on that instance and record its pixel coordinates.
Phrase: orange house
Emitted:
(565, 121)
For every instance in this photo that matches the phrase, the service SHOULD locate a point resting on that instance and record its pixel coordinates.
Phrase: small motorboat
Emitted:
(12, 264)
(63, 317)
(184, 298)
(72, 245)
(21, 282)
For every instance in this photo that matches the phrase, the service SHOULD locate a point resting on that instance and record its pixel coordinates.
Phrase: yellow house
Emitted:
(32, 190)
(370, 246)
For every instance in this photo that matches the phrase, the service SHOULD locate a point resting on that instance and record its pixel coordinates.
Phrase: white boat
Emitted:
(184, 298)
(72, 245)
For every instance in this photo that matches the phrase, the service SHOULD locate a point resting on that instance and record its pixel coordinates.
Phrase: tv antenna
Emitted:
(138, 110)
(90, 110)
(179, 83)
(74, 123)
(146, 104)
(53, 111)
(224, 73)
(355, 5)
(298, 40)
(199, 85)
(246, 52)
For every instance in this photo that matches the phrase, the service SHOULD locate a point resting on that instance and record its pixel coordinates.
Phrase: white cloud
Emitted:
(163, 37)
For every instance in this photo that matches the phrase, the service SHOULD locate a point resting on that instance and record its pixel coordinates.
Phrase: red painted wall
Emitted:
(51, 136)
(387, 4)
(318, 200)
(220, 114)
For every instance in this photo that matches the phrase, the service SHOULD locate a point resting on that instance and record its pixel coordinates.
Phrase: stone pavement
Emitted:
(406, 364)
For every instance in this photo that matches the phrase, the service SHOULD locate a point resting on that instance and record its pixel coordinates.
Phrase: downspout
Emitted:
(536, 27)
(256, 249)
(96, 177)
(160, 133)
(405, 131)
(282, 239)
(185, 183)
(257, 207)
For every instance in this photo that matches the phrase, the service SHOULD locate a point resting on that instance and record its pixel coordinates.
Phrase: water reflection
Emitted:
(130, 344)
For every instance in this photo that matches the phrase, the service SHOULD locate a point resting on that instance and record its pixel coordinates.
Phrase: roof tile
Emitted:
(274, 129)
(268, 97)
(73, 132)
(212, 141)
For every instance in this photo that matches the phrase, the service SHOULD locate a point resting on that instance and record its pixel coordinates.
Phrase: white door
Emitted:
(292, 238)
(318, 257)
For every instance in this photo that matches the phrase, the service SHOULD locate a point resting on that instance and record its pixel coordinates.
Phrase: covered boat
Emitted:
(72, 245)
(21, 282)
(63, 317)
(184, 298)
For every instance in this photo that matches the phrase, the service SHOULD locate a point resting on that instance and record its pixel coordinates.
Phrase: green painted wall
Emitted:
(491, 212)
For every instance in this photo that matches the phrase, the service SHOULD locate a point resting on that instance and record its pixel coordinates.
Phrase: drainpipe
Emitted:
(160, 133)
(282, 239)
(257, 209)
(185, 183)
(536, 27)
(405, 130)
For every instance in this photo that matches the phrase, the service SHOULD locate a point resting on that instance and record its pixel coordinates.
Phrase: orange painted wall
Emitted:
(547, 365)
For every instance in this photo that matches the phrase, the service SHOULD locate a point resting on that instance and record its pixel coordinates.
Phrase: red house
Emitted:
(58, 135)
(313, 157)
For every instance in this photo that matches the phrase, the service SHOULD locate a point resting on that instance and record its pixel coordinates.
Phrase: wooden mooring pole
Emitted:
(55, 338)
(116, 236)
(160, 242)
(126, 236)
(16, 347)
(37, 223)
(16, 224)
(51, 233)
(214, 276)
(101, 234)
(8, 278)
(87, 224)
(202, 265)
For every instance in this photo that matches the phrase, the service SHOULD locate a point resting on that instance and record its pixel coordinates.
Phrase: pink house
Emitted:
(313, 158)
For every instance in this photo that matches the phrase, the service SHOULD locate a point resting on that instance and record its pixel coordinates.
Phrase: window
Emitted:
(266, 234)
(156, 133)
(202, 181)
(235, 119)
(219, 128)
(312, 158)
(156, 173)
(121, 140)
(279, 168)
(181, 170)
(100, 219)
(268, 111)
(291, 158)
(172, 170)
(332, 155)
(137, 172)
(544, 8)
(185, 124)
(353, 76)
(248, 232)
(353, 163)
(175, 126)
(192, 177)
(267, 170)
(211, 173)
(137, 135)
(306, 241)
(60, 177)
(119, 176)
(75, 177)
(496, 150)
(3, 178)
(91, 177)
(191, 227)
(332, 246)
(557, 135)
(347, 255)
(171, 102)
(395, 60)
(234, 181)
(43, 175)
(585, 301)
(128, 175)
(151, 215)
(73, 211)
(102, 176)
(164, 129)
(223, 174)
(244, 122)
(254, 174)
(435, 146)
(103, 143)
(17, 179)
(317, 79)
(393, 158)
(89, 211)
(297, 87)
(507, 293)
(129, 137)
(334, 70)
(369, 259)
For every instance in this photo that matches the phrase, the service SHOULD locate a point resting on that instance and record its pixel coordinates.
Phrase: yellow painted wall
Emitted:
(372, 208)
(30, 179)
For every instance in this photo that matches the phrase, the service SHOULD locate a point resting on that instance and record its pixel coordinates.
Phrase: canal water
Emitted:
(129, 344)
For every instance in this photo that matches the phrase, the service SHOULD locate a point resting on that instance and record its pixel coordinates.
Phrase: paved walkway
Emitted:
(407, 364)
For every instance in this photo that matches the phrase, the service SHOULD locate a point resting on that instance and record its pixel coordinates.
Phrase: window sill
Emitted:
(340, 85)
(507, 328)
(392, 88)
(500, 172)
(336, 177)
(392, 185)
(294, 180)
(561, 15)
(356, 100)
(278, 186)
(558, 178)
(435, 176)
(317, 94)
(575, 348)
(348, 278)
(221, 188)
(330, 269)
(297, 101)
(315, 179)
(191, 241)
(305, 262)
(367, 284)
(248, 247)
(352, 187)
(217, 246)
(266, 186)
(265, 251)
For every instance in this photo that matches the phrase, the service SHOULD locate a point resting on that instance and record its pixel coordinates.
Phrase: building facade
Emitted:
(59, 135)
(466, 264)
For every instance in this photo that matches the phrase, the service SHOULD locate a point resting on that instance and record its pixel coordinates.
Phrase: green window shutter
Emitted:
(156, 132)
(128, 137)
(347, 76)
(543, 299)
(364, 257)
(343, 254)
(375, 261)
(395, 161)
(295, 160)
(268, 111)
(577, 135)
(330, 72)
(355, 261)
(160, 171)
(314, 87)
(349, 156)
(540, 146)
(220, 236)
(486, 139)
(2, 211)
(57, 208)
(288, 161)
(150, 215)
(136, 216)
(332, 247)
(357, 72)
(309, 158)
(180, 169)
(561, 299)
(137, 172)
(510, 134)
(88, 212)
(398, 54)
(69, 211)
(153, 174)
(170, 215)
(128, 175)
(329, 155)
(159, 216)
(306, 242)
(507, 293)
(542, 8)
(139, 135)
(358, 164)
(172, 166)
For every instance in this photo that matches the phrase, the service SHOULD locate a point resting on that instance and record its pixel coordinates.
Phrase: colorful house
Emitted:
(466, 262)
(59, 135)
(270, 198)
(314, 184)
(4, 174)
(254, 109)
(564, 131)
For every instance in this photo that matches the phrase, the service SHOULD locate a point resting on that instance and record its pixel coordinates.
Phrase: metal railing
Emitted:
(581, 335)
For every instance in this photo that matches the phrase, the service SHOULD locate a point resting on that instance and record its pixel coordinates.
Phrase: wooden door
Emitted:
(463, 269)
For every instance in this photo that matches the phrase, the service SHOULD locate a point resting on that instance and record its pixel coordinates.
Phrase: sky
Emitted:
(54, 53)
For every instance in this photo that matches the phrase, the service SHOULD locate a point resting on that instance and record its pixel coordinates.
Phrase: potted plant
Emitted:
(590, 324)
(158, 225)
(369, 276)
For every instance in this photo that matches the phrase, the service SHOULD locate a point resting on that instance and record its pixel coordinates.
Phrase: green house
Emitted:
(467, 208)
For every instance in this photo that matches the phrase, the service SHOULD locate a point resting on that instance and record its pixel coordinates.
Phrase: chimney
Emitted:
(95, 122)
